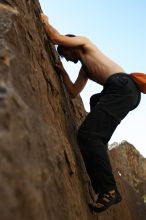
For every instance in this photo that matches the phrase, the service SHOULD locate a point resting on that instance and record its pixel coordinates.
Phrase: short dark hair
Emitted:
(61, 47)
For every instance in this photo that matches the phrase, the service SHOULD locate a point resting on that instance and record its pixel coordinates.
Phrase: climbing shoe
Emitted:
(105, 200)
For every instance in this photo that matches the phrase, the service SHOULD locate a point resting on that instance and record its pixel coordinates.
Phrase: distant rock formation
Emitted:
(131, 165)
(42, 174)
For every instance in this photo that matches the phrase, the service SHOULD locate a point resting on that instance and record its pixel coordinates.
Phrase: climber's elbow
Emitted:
(73, 92)
(73, 95)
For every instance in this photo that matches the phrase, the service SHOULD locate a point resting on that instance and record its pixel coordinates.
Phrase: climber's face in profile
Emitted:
(69, 54)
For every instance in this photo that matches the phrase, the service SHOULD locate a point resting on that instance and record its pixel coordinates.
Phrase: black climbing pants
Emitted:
(119, 96)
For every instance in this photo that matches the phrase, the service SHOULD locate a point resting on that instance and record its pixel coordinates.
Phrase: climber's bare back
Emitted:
(97, 66)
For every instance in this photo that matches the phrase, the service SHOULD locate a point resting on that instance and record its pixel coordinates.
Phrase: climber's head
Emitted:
(69, 53)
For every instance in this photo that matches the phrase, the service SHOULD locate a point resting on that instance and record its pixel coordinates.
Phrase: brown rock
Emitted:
(42, 174)
(131, 164)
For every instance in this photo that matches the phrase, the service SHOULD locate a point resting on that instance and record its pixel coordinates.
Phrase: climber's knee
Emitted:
(90, 141)
(86, 135)
(81, 135)
(94, 99)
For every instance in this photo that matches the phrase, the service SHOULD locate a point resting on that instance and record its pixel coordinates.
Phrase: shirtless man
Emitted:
(119, 96)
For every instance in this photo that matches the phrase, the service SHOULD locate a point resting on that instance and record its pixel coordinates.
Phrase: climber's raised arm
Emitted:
(57, 38)
(73, 88)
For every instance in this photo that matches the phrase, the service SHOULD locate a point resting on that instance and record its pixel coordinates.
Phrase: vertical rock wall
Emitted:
(42, 174)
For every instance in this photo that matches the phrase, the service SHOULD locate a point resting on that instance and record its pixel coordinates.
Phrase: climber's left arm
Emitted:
(75, 88)
(57, 38)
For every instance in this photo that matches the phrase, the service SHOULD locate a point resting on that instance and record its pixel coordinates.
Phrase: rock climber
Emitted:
(119, 96)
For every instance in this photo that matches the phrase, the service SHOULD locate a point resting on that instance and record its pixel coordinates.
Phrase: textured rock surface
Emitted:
(42, 175)
(132, 166)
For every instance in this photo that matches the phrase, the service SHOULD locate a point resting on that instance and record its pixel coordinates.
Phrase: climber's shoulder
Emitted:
(71, 41)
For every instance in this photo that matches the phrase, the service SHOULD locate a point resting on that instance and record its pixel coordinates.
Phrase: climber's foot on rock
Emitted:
(105, 200)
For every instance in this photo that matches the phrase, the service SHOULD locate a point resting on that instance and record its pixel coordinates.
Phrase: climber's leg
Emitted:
(119, 96)
(92, 137)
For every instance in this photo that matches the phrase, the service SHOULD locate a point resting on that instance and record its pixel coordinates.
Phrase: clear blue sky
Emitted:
(118, 29)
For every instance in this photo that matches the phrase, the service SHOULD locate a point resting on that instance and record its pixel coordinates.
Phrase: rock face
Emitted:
(42, 174)
(131, 164)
